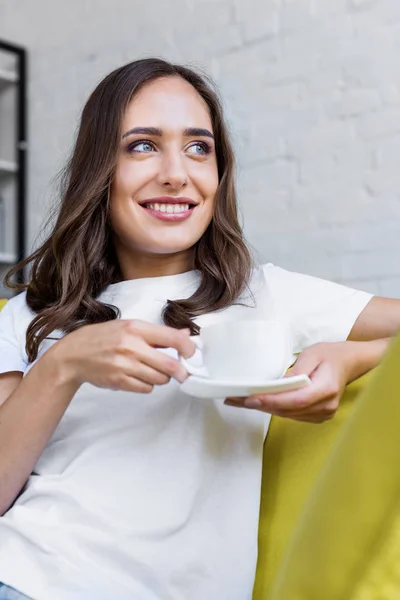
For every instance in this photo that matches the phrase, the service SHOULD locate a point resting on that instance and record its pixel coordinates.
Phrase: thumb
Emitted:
(306, 363)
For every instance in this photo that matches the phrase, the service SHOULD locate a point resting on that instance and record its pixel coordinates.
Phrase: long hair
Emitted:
(78, 261)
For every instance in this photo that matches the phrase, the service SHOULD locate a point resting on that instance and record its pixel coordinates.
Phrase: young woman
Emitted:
(113, 482)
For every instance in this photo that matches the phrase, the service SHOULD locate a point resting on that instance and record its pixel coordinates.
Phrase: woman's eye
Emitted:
(140, 147)
(201, 149)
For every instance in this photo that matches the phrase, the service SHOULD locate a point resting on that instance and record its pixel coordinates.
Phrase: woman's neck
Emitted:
(141, 266)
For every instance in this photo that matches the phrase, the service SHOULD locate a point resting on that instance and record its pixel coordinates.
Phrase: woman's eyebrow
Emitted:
(155, 131)
(197, 132)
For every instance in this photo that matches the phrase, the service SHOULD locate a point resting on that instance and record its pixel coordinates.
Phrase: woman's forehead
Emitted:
(169, 104)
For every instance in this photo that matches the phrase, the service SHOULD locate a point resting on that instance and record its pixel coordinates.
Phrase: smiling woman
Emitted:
(168, 156)
(113, 482)
(168, 160)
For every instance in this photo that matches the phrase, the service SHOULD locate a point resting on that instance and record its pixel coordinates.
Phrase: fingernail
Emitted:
(252, 403)
(181, 376)
(233, 404)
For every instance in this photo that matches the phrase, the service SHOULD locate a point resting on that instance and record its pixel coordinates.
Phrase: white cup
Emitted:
(247, 350)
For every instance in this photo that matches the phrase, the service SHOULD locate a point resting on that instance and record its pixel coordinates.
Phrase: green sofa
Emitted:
(330, 507)
(293, 455)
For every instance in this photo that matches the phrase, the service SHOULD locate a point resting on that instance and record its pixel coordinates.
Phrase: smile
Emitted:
(170, 210)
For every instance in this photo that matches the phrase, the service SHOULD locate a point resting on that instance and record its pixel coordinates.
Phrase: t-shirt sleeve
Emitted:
(318, 310)
(12, 350)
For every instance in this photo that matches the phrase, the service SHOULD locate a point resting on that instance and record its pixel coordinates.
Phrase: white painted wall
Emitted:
(312, 91)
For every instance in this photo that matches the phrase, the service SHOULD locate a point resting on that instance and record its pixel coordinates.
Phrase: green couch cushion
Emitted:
(293, 454)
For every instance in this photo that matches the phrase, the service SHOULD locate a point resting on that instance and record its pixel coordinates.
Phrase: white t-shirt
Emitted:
(154, 497)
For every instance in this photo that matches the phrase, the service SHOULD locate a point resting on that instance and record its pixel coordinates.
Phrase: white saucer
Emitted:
(202, 387)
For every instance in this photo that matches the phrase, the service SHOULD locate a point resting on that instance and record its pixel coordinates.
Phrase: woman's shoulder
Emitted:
(288, 288)
(17, 305)
(284, 281)
(272, 271)
(16, 314)
(270, 274)
(268, 270)
(14, 321)
(14, 304)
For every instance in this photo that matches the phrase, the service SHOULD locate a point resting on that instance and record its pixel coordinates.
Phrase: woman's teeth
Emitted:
(168, 208)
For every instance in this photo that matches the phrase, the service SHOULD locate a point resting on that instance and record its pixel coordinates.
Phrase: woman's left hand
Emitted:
(330, 367)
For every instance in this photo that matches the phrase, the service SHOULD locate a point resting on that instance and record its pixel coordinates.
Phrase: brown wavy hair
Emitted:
(78, 261)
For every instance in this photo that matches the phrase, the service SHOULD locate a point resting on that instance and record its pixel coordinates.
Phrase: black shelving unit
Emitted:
(13, 156)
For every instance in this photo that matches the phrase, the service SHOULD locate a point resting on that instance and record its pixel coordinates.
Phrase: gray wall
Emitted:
(312, 92)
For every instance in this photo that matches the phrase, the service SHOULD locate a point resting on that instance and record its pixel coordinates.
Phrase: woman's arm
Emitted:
(116, 355)
(331, 366)
(28, 418)
(379, 319)
(8, 383)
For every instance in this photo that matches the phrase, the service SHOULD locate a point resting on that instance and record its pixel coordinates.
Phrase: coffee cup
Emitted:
(247, 350)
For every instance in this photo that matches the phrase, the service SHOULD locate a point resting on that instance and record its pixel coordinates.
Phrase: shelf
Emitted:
(7, 167)
(13, 157)
(7, 78)
(6, 258)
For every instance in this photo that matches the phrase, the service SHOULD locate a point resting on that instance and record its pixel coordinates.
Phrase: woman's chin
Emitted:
(168, 249)
(170, 244)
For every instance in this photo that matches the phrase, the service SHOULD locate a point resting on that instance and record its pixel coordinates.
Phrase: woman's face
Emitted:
(162, 195)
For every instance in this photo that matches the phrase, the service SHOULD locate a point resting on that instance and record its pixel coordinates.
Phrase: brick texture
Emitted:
(312, 96)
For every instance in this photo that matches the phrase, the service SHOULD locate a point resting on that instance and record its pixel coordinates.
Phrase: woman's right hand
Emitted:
(122, 355)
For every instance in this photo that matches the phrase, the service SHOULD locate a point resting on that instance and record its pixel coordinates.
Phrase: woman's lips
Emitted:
(173, 214)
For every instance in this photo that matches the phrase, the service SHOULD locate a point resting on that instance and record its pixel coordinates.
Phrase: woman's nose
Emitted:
(172, 171)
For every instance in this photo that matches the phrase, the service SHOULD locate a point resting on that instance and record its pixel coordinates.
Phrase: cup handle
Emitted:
(197, 371)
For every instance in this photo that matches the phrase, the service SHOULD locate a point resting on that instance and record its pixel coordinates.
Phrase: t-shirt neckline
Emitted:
(164, 282)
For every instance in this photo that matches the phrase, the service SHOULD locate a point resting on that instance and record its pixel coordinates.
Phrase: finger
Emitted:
(280, 402)
(312, 419)
(285, 402)
(131, 384)
(235, 404)
(162, 336)
(322, 388)
(236, 398)
(167, 365)
(304, 417)
(318, 415)
(149, 375)
(315, 416)
(305, 363)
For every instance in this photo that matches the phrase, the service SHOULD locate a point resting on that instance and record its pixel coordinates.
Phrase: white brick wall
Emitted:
(312, 91)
